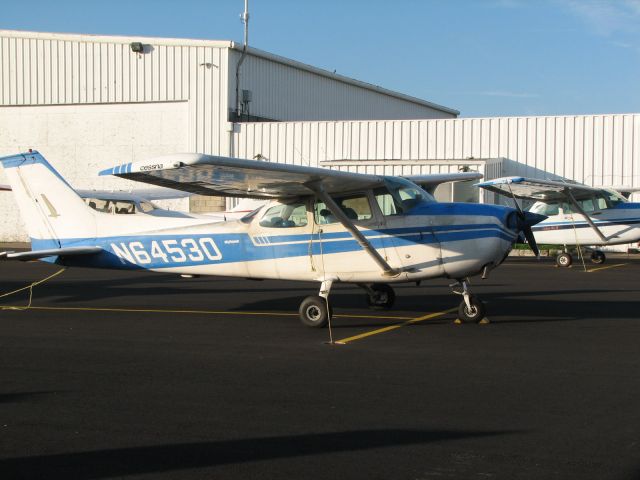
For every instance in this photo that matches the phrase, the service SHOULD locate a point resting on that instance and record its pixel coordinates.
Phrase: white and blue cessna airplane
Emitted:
(316, 225)
(576, 214)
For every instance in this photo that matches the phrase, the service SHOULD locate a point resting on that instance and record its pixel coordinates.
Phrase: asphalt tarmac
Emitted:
(139, 375)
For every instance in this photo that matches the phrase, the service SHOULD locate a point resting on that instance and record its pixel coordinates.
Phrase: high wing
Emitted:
(537, 189)
(431, 182)
(52, 252)
(233, 177)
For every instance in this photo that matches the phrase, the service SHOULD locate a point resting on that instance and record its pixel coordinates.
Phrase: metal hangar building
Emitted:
(90, 102)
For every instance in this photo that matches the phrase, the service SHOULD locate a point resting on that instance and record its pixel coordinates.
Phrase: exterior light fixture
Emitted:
(137, 47)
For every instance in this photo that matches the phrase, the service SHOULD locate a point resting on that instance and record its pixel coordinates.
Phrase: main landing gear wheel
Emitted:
(314, 312)
(381, 297)
(564, 260)
(598, 257)
(474, 314)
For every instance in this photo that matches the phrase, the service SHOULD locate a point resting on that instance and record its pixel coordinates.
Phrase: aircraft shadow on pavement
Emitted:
(137, 286)
(162, 458)
(18, 397)
(502, 307)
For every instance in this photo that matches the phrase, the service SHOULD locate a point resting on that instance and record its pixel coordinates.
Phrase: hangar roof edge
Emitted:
(85, 37)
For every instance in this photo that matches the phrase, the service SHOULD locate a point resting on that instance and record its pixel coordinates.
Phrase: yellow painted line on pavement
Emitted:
(396, 326)
(608, 266)
(197, 312)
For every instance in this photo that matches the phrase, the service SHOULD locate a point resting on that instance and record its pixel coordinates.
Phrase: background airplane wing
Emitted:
(234, 177)
(536, 189)
(431, 182)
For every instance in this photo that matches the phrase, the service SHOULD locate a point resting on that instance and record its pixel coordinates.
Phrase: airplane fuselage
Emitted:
(454, 240)
(619, 224)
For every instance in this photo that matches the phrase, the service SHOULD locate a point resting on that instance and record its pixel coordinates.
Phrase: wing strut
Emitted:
(586, 217)
(333, 207)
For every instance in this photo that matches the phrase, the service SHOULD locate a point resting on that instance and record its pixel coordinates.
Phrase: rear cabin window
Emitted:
(355, 207)
(112, 206)
(285, 216)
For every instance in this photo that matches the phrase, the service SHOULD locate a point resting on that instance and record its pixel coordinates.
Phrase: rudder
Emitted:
(51, 209)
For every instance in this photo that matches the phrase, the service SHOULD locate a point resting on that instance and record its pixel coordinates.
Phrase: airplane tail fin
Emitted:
(51, 209)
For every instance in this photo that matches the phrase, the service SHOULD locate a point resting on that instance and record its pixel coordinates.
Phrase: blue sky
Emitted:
(482, 57)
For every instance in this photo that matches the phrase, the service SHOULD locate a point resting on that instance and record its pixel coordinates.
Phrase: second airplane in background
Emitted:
(578, 215)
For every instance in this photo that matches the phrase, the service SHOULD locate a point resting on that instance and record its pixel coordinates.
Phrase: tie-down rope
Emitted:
(30, 288)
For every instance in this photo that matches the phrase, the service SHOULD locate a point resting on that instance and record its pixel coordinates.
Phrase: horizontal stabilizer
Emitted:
(52, 252)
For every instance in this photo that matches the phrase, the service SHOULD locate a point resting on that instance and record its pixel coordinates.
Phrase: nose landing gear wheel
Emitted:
(564, 260)
(382, 297)
(313, 312)
(473, 314)
(598, 257)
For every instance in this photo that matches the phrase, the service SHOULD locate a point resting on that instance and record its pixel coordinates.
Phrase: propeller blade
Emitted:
(528, 220)
(531, 240)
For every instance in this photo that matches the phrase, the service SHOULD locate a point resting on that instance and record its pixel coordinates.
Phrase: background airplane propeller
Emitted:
(525, 221)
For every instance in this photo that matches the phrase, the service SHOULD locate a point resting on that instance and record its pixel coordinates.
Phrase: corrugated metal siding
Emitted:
(593, 149)
(67, 70)
(41, 71)
(283, 92)
(411, 167)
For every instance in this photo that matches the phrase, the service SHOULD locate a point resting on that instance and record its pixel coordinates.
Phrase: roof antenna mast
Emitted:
(245, 19)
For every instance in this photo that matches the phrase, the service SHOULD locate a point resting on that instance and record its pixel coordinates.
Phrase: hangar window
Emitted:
(285, 216)
(355, 207)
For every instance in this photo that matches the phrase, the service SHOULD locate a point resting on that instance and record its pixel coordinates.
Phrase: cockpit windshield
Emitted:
(614, 198)
(399, 195)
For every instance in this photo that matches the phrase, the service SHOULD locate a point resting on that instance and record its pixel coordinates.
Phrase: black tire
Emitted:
(598, 257)
(474, 315)
(383, 298)
(564, 260)
(313, 312)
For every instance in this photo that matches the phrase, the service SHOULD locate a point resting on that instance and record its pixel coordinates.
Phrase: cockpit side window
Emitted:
(385, 201)
(355, 207)
(600, 202)
(586, 204)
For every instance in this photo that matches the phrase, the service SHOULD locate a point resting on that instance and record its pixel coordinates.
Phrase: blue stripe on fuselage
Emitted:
(158, 251)
(562, 225)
